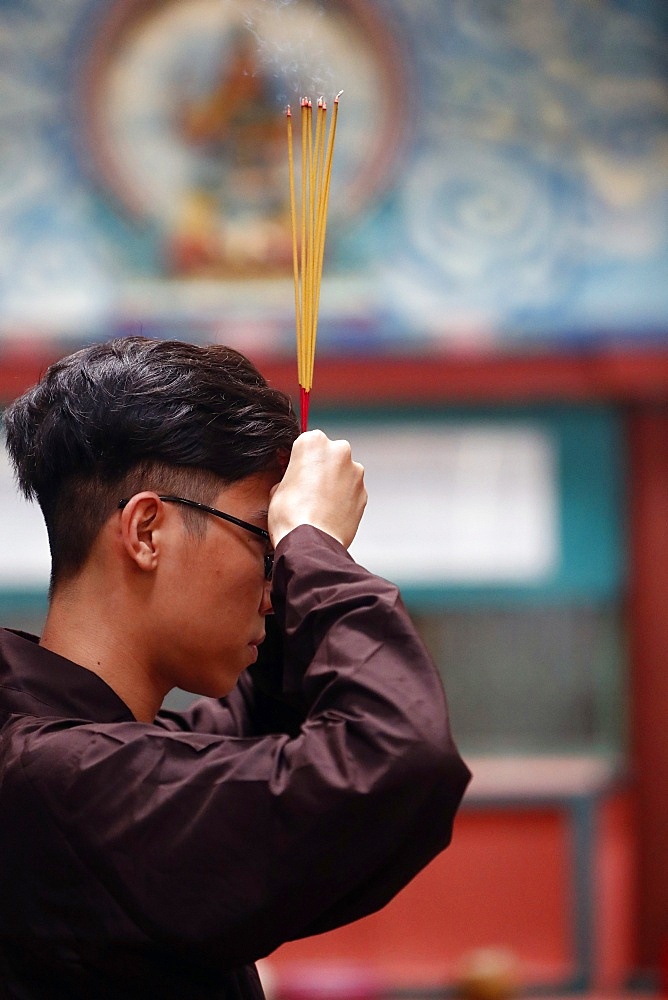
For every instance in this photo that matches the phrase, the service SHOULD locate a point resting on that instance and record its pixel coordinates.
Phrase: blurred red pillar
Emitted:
(648, 621)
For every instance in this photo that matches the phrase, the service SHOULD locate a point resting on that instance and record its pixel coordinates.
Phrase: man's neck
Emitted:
(97, 633)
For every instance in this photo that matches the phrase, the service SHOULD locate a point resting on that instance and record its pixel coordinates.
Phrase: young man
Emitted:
(147, 853)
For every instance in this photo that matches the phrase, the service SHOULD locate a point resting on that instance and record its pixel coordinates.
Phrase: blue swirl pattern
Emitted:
(536, 203)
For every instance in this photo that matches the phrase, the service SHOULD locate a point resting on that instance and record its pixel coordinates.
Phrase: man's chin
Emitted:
(217, 687)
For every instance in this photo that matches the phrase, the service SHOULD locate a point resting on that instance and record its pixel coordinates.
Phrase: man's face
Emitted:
(213, 596)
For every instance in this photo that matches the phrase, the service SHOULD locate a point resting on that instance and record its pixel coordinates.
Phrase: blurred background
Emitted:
(493, 339)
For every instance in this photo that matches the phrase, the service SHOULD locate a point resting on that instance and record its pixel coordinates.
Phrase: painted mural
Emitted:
(501, 175)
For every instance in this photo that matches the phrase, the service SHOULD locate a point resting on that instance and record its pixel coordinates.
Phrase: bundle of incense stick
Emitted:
(308, 232)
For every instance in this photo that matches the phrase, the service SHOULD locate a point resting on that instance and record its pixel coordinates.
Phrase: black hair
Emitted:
(136, 413)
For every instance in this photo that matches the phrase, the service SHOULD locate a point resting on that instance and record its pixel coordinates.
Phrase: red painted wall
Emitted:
(510, 880)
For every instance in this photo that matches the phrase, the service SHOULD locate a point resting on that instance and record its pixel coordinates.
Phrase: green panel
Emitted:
(23, 609)
(531, 679)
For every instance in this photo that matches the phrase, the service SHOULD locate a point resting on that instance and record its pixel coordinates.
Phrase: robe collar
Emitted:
(36, 681)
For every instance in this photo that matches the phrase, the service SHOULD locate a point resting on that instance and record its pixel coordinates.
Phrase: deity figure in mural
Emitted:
(234, 219)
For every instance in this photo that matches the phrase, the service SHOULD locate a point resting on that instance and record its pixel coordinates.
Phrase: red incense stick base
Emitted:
(304, 397)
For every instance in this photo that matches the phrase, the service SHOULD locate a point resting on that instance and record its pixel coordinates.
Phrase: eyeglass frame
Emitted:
(260, 532)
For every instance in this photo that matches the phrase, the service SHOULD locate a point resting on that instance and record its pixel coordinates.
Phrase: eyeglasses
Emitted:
(260, 532)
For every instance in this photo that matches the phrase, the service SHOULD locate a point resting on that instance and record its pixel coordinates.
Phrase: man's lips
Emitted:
(255, 644)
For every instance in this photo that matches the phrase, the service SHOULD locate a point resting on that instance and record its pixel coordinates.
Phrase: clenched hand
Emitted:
(322, 486)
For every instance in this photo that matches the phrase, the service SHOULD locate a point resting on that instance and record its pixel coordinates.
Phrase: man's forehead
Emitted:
(253, 489)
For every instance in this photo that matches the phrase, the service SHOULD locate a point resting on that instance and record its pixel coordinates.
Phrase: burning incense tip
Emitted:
(317, 149)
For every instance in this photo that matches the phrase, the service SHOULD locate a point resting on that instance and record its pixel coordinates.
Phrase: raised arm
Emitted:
(323, 487)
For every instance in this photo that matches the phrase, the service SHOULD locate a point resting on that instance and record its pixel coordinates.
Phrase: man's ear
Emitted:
(141, 519)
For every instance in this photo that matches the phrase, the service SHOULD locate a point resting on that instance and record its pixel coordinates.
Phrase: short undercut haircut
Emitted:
(133, 414)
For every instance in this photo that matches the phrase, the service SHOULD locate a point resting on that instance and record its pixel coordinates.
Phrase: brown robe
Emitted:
(162, 860)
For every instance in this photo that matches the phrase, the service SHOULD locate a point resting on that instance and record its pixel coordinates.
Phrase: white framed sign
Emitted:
(457, 504)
